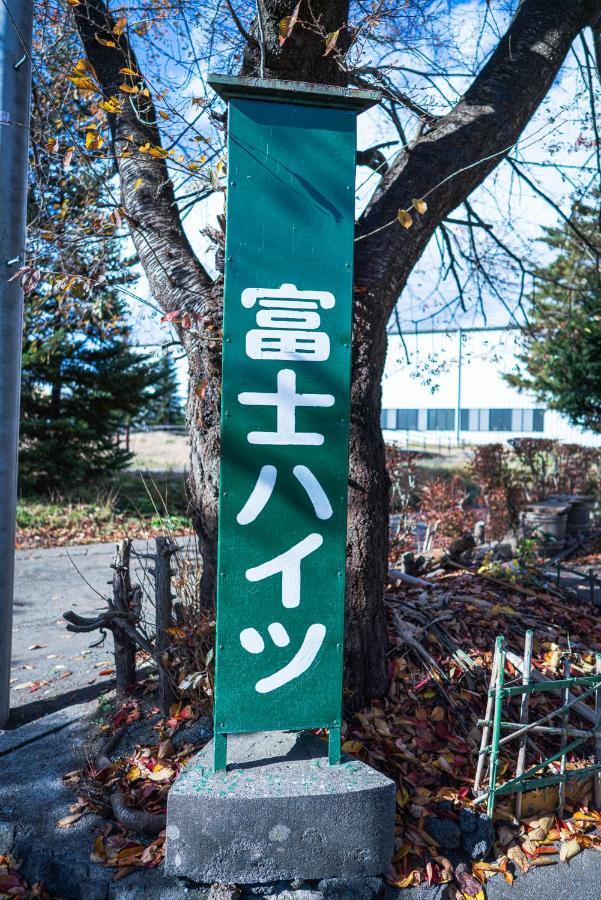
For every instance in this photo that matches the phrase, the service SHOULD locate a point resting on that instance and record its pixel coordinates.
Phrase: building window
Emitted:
(388, 419)
(475, 419)
(441, 419)
(406, 419)
(538, 417)
(501, 420)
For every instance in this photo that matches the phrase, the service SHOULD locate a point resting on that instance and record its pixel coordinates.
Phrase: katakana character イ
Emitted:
(288, 564)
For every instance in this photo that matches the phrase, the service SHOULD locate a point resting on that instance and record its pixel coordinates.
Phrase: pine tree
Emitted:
(560, 354)
(164, 406)
(82, 378)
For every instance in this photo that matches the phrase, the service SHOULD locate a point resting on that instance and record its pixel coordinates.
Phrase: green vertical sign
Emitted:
(285, 406)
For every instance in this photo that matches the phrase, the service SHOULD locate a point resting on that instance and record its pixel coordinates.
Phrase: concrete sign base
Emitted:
(279, 811)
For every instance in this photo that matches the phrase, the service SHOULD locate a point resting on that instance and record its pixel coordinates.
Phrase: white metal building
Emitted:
(443, 388)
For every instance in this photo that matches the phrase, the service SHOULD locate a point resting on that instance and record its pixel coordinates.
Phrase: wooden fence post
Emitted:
(125, 648)
(165, 548)
(597, 777)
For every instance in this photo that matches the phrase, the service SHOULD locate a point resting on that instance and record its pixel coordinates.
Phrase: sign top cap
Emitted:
(232, 87)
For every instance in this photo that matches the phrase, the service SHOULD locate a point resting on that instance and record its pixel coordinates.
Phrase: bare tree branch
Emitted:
(465, 146)
(176, 277)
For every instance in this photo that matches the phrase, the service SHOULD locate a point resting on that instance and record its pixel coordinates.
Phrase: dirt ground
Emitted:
(159, 451)
(163, 451)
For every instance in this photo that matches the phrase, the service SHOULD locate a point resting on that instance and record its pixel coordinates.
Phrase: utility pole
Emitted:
(458, 400)
(16, 27)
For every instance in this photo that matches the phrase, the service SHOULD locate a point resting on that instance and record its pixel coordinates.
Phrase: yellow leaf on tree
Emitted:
(84, 65)
(164, 115)
(128, 88)
(51, 144)
(331, 39)
(286, 24)
(404, 218)
(120, 26)
(83, 82)
(114, 105)
(153, 150)
(137, 183)
(104, 42)
(420, 205)
(126, 71)
(94, 141)
(73, 2)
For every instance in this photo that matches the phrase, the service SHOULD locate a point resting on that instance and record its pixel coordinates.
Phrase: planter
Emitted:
(548, 523)
(579, 512)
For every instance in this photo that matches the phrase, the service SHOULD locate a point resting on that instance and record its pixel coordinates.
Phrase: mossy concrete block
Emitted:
(279, 811)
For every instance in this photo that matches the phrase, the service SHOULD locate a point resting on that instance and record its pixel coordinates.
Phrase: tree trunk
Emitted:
(444, 165)
(367, 542)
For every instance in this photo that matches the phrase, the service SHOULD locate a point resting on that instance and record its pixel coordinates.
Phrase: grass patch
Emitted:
(128, 505)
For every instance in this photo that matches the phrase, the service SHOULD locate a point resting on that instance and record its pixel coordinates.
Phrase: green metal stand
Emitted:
(523, 781)
(219, 751)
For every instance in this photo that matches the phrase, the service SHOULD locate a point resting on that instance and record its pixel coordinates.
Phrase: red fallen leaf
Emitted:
(10, 881)
(432, 873)
(129, 712)
(171, 316)
(106, 672)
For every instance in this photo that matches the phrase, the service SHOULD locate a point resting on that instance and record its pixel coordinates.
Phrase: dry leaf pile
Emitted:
(13, 885)
(425, 737)
(131, 789)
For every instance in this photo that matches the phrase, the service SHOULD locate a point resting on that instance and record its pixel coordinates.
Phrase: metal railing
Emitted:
(524, 779)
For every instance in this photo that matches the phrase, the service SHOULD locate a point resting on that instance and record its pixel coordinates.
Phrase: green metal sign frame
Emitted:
(285, 406)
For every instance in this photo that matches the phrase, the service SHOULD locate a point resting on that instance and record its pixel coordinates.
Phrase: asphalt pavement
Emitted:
(52, 667)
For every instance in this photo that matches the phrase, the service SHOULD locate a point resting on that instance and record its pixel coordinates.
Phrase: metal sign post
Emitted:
(16, 24)
(285, 406)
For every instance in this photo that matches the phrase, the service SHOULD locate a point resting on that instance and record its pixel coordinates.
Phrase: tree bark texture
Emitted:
(452, 156)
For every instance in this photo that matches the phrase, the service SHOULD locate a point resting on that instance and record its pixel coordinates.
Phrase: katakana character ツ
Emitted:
(288, 564)
(302, 660)
(286, 400)
(263, 490)
(288, 324)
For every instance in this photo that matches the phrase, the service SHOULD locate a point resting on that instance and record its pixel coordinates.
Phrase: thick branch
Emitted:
(301, 57)
(176, 277)
(448, 162)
